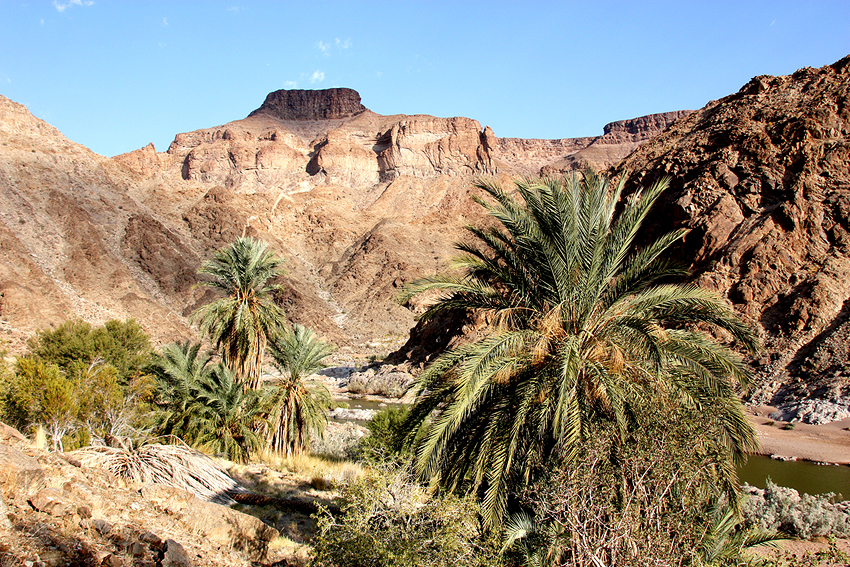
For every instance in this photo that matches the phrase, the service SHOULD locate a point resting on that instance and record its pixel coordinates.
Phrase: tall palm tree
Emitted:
(584, 326)
(241, 323)
(298, 408)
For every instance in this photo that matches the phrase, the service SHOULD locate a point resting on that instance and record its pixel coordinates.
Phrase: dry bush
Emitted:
(178, 466)
(806, 516)
(388, 519)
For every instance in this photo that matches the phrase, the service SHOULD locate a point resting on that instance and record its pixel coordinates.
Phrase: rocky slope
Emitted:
(358, 203)
(762, 179)
(55, 511)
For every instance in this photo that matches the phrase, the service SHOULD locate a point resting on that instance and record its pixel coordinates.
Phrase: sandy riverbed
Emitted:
(828, 443)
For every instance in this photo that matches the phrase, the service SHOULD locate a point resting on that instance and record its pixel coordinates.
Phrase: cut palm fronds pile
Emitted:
(178, 466)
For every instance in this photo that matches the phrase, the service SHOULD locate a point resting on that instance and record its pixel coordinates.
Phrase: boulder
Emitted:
(20, 475)
(219, 524)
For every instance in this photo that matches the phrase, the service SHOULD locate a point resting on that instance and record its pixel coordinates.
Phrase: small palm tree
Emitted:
(298, 408)
(178, 370)
(584, 327)
(204, 404)
(225, 416)
(241, 323)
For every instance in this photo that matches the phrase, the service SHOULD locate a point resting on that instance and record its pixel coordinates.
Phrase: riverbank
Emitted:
(827, 443)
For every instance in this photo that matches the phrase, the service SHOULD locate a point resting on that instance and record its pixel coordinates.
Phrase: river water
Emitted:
(802, 476)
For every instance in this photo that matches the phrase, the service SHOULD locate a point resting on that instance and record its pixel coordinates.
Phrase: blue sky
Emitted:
(116, 75)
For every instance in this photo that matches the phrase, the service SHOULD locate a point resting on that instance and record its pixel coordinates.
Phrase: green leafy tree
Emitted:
(241, 323)
(121, 344)
(42, 395)
(584, 327)
(298, 407)
(106, 407)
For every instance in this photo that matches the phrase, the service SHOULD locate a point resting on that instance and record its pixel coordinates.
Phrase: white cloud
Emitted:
(324, 47)
(379, 74)
(234, 8)
(290, 84)
(164, 22)
(343, 44)
(317, 76)
(63, 7)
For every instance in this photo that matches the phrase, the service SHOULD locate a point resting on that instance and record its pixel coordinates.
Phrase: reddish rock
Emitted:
(762, 179)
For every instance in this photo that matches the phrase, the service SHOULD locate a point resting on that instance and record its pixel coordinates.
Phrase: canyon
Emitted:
(360, 203)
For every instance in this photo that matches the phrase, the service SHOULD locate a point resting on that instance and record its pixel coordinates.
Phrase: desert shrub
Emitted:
(41, 394)
(386, 438)
(75, 408)
(387, 384)
(340, 441)
(388, 519)
(806, 516)
(647, 499)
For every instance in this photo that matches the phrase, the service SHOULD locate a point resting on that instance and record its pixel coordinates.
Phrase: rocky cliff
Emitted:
(762, 180)
(311, 105)
(357, 203)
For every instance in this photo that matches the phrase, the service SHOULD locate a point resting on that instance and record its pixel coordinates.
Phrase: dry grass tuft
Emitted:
(178, 466)
(312, 466)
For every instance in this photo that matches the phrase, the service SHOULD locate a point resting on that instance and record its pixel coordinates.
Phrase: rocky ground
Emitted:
(54, 511)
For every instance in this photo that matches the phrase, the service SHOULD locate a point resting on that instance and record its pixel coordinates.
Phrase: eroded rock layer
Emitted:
(762, 179)
(357, 203)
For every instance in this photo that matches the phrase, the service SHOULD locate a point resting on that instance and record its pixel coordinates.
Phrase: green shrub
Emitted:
(122, 344)
(387, 519)
(386, 439)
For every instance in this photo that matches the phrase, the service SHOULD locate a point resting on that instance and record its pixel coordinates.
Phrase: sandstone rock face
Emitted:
(762, 179)
(357, 203)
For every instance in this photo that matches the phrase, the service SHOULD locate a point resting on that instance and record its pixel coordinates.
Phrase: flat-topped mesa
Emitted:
(326, 104)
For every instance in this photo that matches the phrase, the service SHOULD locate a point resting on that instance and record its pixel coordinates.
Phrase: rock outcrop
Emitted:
(311, 104)
(357, 203)
(762, 180)
(53, 511)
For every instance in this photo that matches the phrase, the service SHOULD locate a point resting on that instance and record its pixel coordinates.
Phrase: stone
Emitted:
(19, 473)
(102, 526)
(53, 502)
(153, 540)
(219, 524)
(175, 555)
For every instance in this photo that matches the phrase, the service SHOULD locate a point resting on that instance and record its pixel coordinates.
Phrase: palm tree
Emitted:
(178, 370)
(298, 408)
(583, 328)
(225, 416)
(241, 323)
